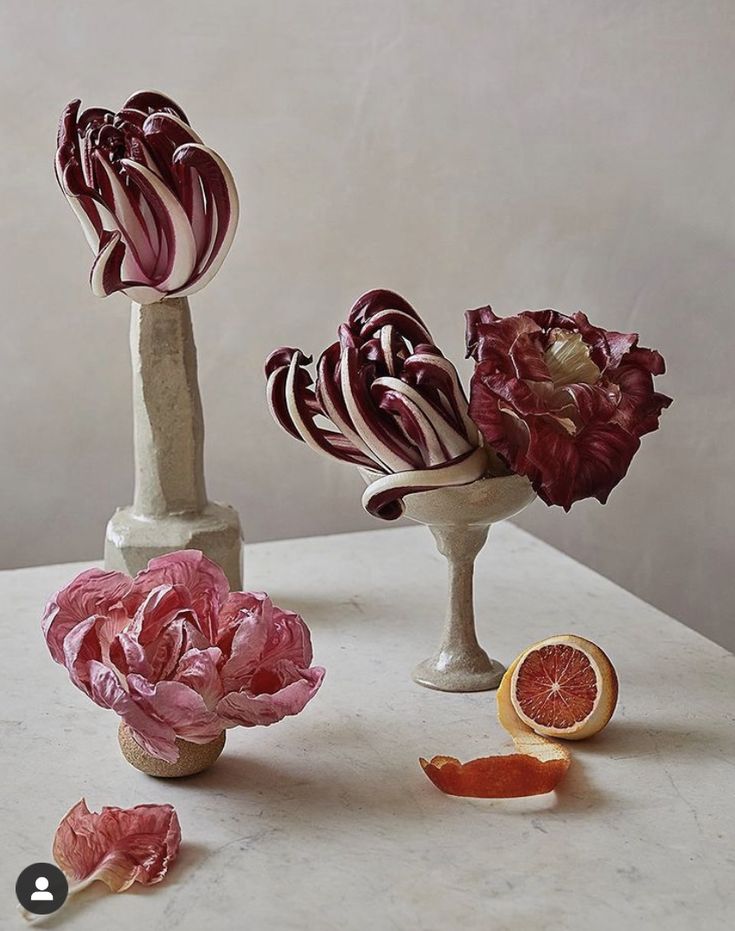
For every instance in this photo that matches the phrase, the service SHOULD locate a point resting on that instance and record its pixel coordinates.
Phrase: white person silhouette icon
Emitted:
(42, 894)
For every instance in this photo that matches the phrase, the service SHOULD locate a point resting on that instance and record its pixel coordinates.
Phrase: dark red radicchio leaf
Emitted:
(562, 401)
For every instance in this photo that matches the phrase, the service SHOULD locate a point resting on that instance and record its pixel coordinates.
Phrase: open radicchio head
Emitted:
(176, 654)
(562, 401)
(393, 404)
(159, 209)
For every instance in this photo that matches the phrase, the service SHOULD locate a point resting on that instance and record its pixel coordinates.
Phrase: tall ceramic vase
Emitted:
(170, 510)
(459, 518)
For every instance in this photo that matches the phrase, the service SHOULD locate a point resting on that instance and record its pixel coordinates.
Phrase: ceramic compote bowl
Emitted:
(460, 518)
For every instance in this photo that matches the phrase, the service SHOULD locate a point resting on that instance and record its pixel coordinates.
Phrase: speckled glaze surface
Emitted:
(483, 502)
(132, 540)
(193, 758)
(170, 510)
(460, 518)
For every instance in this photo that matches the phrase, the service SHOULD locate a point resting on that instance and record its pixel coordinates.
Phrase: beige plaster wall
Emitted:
(574, 153)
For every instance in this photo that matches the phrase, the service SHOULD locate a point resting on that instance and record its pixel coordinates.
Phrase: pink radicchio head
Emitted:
(175, 654)
(562, 401)
(393, 403)
(158, 207)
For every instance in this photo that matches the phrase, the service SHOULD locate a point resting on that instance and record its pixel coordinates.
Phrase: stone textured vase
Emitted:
(459, 519)
(193, 758)
(170, 510)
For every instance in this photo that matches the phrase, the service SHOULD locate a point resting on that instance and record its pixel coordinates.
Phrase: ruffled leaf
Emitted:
(563, 402)
(118, 846)
(92, 592)
(274, 693)
(191, 570)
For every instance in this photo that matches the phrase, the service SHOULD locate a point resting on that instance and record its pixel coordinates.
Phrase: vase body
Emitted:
(460, 518)
(170, 510)
(193, 758)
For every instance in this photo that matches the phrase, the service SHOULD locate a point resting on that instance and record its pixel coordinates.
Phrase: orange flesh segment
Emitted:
(514, 776)
(556, 686)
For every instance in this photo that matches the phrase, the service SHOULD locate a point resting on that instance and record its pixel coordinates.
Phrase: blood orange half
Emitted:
(564, 687)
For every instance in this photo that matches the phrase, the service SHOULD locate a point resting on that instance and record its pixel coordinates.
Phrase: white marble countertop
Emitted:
(326, 821)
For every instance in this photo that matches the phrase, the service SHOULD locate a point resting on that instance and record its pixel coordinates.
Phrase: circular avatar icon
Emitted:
(41, 888)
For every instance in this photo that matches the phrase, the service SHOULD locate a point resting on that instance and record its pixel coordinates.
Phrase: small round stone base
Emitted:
(193, 758)
(458, 676)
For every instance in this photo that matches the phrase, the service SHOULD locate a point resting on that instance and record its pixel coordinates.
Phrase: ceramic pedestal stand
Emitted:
(170, 510)
(459, 518)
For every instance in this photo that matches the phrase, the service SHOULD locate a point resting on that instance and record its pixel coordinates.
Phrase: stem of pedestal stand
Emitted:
(460, 546)
(460, 664)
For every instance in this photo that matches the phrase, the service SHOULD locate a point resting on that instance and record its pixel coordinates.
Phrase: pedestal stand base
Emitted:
(459, 673)
(131, 541)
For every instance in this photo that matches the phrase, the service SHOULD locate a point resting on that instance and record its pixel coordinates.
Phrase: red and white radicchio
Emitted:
(158, 207)
(562, 401)
(393, 404)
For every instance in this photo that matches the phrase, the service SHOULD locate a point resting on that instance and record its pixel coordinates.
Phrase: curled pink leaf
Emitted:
(284, 690)
(93, 591)
(118, 846)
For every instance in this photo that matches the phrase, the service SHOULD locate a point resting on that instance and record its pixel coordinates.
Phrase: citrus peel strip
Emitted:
(537, 768)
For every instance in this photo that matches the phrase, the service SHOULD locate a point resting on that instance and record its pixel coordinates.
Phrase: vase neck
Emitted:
(167, 410)
(460, 543)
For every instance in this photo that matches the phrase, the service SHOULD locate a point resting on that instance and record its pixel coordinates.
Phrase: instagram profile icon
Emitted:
(41, 888)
